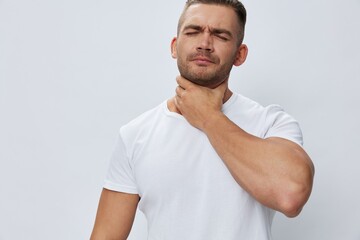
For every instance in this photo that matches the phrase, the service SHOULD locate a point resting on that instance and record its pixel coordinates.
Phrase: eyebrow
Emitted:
(213, 30)
(193, 27)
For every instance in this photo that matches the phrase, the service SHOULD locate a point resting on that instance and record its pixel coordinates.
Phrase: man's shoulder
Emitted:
(255, 117)
(251, 106)
(144, 117)
(144, 122)
(244, 105)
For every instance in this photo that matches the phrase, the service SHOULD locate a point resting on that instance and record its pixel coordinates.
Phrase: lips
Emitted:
(202, 60)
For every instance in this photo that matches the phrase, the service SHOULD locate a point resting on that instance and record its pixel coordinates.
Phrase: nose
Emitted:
(205, 43)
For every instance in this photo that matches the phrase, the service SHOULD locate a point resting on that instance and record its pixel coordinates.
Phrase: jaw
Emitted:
(205, 76)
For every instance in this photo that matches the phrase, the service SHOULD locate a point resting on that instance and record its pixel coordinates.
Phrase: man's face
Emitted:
(207, 44)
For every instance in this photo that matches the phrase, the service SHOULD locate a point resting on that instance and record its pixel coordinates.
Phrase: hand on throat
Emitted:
(192, 94)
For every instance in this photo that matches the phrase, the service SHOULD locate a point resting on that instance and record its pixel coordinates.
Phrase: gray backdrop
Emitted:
(73, 71)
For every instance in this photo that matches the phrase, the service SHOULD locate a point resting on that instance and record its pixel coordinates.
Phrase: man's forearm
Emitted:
(276, 172)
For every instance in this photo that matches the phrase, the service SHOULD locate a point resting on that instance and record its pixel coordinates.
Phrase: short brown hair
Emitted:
(234, 4)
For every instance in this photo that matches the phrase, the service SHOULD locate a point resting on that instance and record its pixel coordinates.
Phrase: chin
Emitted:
(204, 81)
(202, 77)
(210, 82)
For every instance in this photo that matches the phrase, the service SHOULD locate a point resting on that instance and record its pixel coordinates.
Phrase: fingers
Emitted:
(184, 83)
(176, 101)
(179, 91)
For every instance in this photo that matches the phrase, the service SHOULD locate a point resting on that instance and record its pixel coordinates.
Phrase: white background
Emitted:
(73, 71)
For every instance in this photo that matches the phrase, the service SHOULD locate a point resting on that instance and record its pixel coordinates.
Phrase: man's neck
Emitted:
(172, 107)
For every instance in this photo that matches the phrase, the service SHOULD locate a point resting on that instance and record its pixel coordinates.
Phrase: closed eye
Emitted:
(222, 37)
(192, 29)
(191, 33)
(222, 34)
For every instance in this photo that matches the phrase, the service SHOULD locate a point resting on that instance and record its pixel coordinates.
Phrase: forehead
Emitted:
(214, 16)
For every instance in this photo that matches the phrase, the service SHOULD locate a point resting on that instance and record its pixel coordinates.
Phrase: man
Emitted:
(208, 163)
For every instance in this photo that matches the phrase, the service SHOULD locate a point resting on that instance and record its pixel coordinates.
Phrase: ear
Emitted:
(241, 55)
(173, 48)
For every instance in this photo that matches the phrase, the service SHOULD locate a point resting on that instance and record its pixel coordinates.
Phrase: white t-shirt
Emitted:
(186, 191)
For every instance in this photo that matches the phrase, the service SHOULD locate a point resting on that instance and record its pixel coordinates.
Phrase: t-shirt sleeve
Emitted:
(120, 176)
(282, 125)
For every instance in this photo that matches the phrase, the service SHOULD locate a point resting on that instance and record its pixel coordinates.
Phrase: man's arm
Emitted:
(276, 172)
(115, 215)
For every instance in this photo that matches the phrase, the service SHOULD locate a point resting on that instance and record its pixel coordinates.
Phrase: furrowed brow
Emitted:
(213, 31)
(193, 27)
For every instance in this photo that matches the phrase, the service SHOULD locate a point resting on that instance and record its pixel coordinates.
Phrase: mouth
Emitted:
(202, 61)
